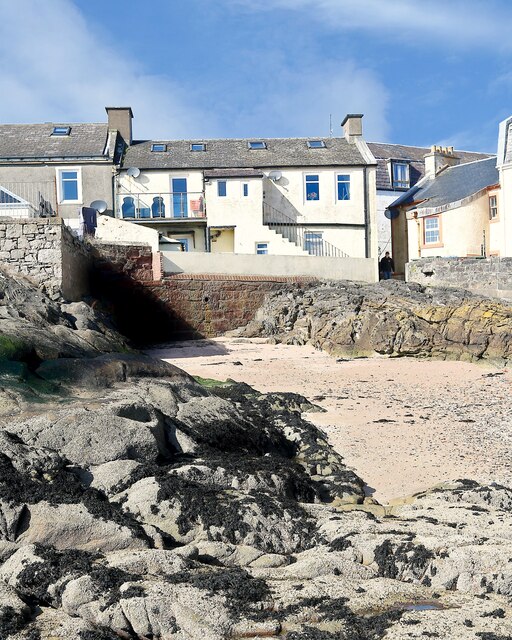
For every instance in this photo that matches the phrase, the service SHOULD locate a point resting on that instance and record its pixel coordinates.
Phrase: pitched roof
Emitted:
(235, 153)
(384, 152)
(450, 187)
(25, 142)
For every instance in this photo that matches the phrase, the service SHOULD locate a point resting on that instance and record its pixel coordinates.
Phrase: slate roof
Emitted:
(451, 186)
(234, 153)
(384, 152)
(233, 173)
(34, 141)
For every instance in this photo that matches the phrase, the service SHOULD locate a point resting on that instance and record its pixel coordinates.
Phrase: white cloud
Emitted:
(467, 23)
(56, 68)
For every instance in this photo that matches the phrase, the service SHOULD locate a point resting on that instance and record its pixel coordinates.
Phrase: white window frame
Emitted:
(338, 175)
(426, 230)
(493, 207)
(305, 175)
(394, 184)
(260, 244)
(60, 192)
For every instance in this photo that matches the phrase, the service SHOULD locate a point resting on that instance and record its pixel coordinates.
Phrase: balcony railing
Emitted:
(159, 206)
(27, 199)
(308, 239)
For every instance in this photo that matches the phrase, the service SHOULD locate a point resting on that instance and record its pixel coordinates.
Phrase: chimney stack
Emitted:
(438, 159)
(120, 118)
(353, 126)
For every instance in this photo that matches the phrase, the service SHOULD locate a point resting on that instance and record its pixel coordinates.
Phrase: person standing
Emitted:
(387, 266)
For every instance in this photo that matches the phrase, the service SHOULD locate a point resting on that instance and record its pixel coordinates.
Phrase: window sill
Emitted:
(493, 220)
(432, 245)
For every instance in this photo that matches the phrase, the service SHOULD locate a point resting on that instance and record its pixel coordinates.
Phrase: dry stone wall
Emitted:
(484, 276)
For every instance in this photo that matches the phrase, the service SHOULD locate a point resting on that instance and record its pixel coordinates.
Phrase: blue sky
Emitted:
(421, 71)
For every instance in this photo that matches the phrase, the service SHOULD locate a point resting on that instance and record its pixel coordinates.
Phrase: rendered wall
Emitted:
(358, 269)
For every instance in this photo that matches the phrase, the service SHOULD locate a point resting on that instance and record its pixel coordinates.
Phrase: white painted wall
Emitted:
(115, 230)
(357, 269)
(384, 199)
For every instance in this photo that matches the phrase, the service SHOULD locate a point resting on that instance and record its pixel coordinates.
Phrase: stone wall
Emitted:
(46, 252)
(485, 276)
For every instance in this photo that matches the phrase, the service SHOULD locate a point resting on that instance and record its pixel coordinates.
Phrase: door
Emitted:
(179, 198)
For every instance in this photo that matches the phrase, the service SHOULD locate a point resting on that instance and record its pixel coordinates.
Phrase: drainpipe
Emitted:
(367, 237)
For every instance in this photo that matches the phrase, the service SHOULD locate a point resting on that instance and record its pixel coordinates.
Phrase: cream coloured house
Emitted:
(278, 196)
(452, 212)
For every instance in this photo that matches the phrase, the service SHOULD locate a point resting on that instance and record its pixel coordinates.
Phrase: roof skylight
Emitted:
(316, 144)
(257, 144)
(61, 131)
(159, 147)
(198, 146)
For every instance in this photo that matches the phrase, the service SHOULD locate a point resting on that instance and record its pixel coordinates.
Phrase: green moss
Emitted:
(11, 348)
(209, 383)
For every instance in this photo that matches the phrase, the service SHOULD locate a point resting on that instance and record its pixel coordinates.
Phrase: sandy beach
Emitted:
(403, 425)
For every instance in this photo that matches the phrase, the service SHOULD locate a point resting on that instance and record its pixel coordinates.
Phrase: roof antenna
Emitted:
(330, 125)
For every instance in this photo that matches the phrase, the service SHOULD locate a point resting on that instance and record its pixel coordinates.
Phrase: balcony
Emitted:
(27, 200)
(158, 207)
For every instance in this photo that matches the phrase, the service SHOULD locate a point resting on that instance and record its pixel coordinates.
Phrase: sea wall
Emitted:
(484, 276)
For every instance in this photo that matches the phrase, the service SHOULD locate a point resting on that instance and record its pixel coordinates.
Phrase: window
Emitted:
(313, 243)
(432, 230)
(198, 146)
(245, 189)
(262, 248)
(343, 187)
(316, 144)
(69, 185)
(493, 207)
(61, 131)
(159, 147)
(400, 175)
(312, 187)
(221, 188)
(257, 144)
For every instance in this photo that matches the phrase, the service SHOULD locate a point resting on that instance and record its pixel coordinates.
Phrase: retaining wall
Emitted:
(485, 276)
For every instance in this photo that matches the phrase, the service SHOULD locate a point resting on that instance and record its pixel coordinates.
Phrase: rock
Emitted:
(395, 319)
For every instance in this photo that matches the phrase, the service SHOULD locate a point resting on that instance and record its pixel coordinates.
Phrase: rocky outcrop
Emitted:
(137, 504)
(390, 318)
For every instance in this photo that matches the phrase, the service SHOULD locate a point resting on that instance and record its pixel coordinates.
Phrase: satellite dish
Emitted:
(99, 205)
(275, 176)
(134, 172)
(391, 214)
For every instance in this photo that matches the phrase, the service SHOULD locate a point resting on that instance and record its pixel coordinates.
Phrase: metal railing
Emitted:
(28, 199)
(308, 239)
(156, 206)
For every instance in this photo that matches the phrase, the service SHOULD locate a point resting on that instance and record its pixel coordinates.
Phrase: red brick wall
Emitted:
(149, 310)
(211, 304)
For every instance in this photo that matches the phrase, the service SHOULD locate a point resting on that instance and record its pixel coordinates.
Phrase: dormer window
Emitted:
(316, 144)
(257, 144)
(158, 147)
(61, 131)
(198, 146)
(400, 175)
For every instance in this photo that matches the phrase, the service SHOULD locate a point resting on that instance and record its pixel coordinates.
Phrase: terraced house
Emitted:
(279, 196)
(53, 169)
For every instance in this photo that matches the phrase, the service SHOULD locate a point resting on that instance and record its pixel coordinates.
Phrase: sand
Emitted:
(403, 425)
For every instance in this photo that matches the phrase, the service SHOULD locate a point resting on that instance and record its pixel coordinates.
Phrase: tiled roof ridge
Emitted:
(248, 139)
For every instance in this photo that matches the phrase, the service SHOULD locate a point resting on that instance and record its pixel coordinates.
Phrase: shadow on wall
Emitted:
(134, 308)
